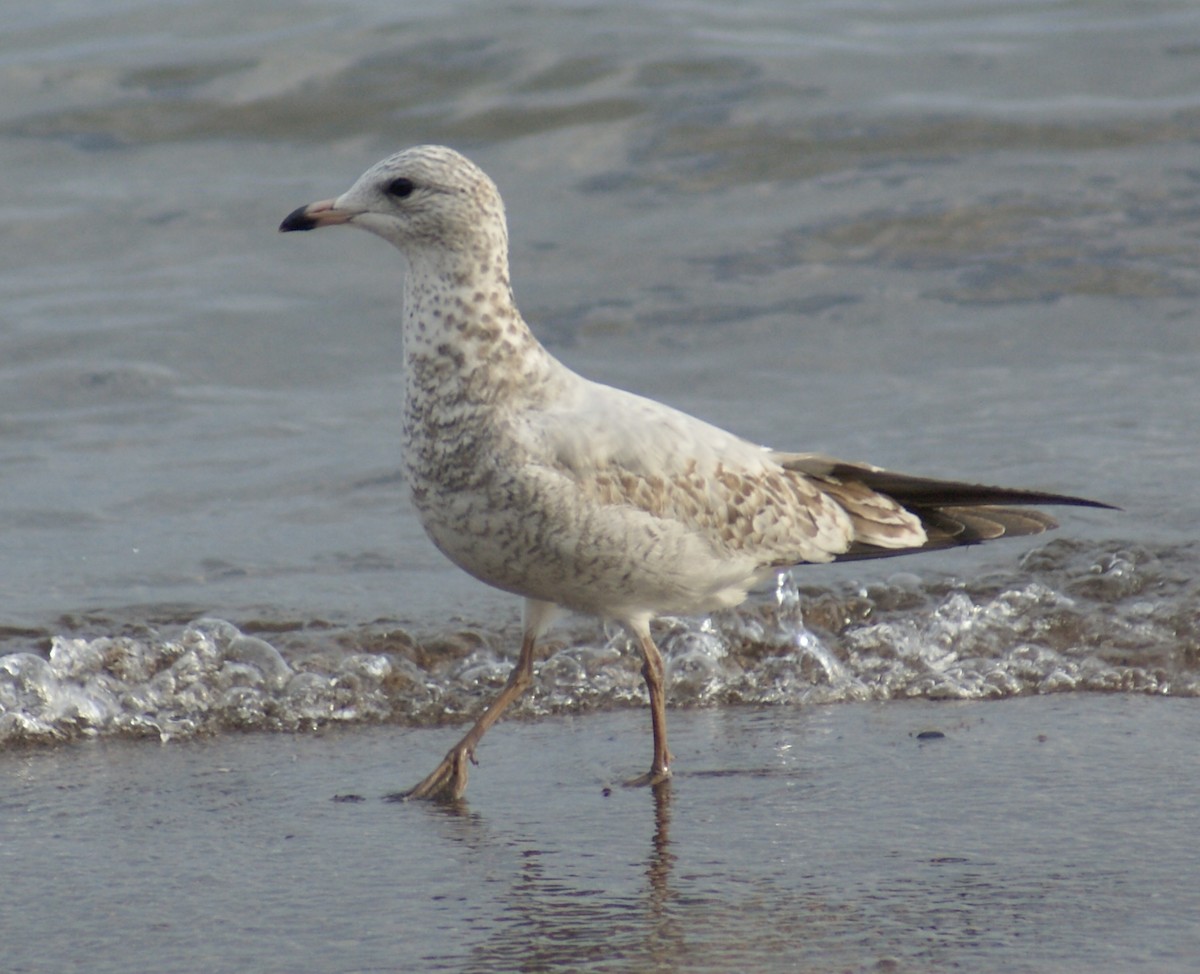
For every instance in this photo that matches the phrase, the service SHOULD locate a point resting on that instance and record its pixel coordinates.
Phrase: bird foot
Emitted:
(447, 782)
(651, 778)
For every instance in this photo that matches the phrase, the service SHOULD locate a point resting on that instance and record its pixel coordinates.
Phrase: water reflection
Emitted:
(563, 908)
(664, 930)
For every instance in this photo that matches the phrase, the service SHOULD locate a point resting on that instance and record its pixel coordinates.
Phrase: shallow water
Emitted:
(1044, 834)
(955, 239)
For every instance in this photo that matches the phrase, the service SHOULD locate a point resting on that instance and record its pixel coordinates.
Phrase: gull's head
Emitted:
(427, 198)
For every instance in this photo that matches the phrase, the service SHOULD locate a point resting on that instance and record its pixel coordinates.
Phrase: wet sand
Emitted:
(1049, 833)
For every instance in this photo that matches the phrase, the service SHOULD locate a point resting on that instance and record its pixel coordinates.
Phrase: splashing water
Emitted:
(1073, 618)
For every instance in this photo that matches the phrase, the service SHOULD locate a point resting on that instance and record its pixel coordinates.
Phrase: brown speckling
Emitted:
(575, 494)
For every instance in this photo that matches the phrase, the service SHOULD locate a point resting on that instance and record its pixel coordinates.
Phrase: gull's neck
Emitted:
(468, 353)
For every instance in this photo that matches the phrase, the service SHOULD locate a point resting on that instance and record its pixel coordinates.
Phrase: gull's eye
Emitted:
(400, 188)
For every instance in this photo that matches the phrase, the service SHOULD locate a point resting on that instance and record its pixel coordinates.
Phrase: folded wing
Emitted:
(951, 513)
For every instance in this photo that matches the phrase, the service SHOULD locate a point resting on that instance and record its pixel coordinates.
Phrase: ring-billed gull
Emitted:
(580, 496)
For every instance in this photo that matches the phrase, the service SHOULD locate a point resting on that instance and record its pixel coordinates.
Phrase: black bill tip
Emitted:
(298, 219)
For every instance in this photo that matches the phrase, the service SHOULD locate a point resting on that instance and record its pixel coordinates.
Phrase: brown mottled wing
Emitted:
(952, 513)
(622, 451)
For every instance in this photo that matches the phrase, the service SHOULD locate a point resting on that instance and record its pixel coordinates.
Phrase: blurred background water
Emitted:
(948, 238)
(955, 238)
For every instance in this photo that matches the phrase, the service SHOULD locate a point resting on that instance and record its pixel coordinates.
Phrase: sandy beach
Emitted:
(1037, 834)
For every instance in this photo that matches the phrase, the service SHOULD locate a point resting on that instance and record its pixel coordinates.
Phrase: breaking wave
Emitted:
(1073, 616)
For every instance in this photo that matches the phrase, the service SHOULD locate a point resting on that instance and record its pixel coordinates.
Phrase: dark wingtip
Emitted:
(298, 219)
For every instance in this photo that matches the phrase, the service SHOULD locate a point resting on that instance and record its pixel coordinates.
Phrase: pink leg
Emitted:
(652, 671)
(449, 779)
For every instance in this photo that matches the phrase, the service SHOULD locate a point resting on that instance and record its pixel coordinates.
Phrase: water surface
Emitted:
(957, 239)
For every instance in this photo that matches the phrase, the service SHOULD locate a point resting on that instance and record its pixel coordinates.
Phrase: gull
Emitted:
(580, 496)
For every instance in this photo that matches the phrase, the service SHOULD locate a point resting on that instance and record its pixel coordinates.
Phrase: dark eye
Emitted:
(399, 188)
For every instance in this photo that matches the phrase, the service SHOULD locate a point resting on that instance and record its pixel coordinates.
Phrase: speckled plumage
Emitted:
(577, 495)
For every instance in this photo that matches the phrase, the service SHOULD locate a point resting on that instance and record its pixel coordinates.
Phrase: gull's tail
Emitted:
(951, 513)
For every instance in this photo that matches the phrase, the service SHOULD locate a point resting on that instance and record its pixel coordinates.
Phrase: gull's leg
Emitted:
(652, 671)
(449, 779)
